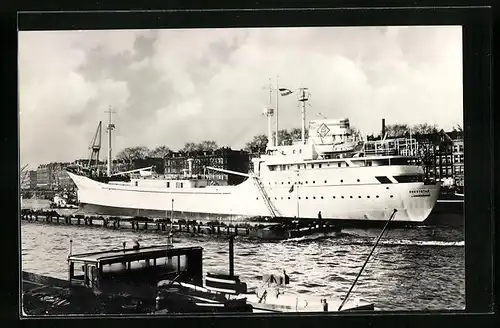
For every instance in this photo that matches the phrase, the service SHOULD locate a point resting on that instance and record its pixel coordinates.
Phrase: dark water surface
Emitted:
(412, 269)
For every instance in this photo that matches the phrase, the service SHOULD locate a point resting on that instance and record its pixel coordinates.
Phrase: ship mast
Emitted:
(269, 112)
(277, 97)
(110, 128)
(303, 97)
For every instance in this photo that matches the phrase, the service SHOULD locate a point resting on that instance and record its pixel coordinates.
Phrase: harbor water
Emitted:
(412, 269)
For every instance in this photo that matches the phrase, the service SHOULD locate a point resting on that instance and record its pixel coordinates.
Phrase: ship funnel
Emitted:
(383, 127)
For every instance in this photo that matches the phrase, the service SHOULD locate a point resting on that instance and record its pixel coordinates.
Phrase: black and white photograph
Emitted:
(241, 170)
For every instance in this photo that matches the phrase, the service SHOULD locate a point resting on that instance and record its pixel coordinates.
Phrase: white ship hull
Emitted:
(367, 200)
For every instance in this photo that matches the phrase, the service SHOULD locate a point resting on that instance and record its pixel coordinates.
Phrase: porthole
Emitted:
(314, 197)
(257, 198)
(322, 197)
(275, 198)
(377, 196)
(357, 180)
(314, 181)
(325, 181)
(288, 197)
(359, 197)
(342, 197)
(281, 197)
(367, 196)
(333, 197)
(282, 182)
(306, 182)
(392, 196)
(288, 182)
(387, 188)
(307, 197)
(300, 198)
(341, 181)
(350, 196)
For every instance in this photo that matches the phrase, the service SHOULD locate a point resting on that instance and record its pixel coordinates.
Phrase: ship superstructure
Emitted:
(333, 174)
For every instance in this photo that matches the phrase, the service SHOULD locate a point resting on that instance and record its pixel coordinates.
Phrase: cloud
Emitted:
(174, 86)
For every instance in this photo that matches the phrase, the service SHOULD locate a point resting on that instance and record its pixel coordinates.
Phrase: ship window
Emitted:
(136, 183)
(300, 151)
(383, 179)
(257, 198)
(312, 166)
(168, 184)
(409, 178)
(339, 164)
(319, 165)
(182, 184)
(294, 151)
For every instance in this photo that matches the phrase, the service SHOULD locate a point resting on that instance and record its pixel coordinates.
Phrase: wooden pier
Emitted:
(135, 223)
(164, 225)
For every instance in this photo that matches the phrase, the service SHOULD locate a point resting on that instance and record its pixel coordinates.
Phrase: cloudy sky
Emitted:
(169, 87)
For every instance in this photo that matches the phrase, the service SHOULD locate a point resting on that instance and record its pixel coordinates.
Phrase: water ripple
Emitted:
(412, 269)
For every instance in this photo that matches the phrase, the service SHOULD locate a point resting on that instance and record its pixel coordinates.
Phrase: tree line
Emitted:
(286, 137)
(130, 154)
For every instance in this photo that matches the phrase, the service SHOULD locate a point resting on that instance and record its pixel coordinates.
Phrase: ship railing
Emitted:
(391, 147)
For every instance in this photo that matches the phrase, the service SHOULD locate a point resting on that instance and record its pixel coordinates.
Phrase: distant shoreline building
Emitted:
(176, 163)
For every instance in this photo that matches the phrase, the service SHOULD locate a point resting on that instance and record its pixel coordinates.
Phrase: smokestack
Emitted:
(383, 127)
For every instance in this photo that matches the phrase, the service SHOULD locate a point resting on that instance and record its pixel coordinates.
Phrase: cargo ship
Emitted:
(332, 175)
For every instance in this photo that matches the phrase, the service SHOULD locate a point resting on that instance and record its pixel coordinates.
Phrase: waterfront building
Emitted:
(458, 162)
(176, 163)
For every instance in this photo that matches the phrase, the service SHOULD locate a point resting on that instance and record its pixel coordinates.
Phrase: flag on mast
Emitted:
(285, 91)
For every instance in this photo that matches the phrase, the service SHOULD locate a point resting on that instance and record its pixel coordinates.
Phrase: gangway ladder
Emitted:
(270, 206)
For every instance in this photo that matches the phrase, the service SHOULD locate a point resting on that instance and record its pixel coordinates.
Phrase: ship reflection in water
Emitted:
(412, 269)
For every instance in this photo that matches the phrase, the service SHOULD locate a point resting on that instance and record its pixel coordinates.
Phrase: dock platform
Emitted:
(139, 223)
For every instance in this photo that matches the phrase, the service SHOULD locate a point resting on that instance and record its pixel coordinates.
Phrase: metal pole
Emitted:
(277, 97)
(231, 256)
(367, 259)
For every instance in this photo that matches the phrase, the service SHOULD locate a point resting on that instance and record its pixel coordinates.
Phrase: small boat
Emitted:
(178, 297)
(273, 296)
(226, 293)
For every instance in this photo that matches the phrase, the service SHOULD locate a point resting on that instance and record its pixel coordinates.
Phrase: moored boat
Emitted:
(334, 174)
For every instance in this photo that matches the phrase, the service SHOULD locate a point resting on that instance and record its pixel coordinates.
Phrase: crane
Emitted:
(95, 146)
